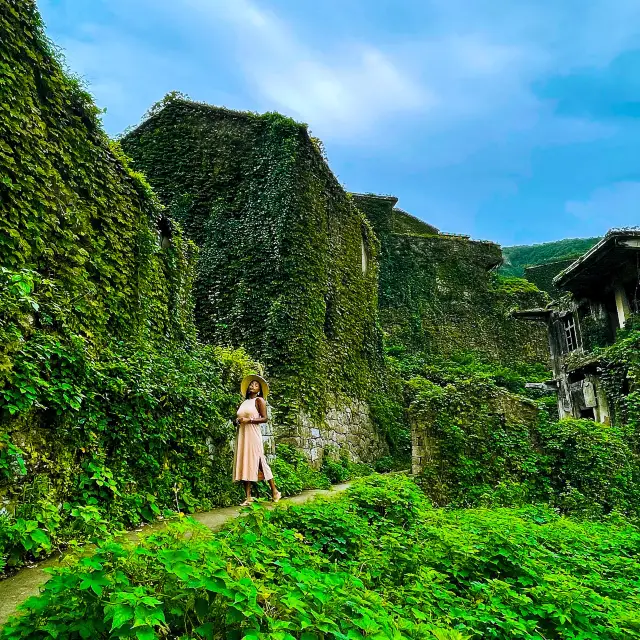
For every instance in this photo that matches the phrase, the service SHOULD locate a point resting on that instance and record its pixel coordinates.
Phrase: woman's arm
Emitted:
(261, 406)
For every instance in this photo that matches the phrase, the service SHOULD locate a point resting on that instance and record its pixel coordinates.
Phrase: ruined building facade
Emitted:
(307, 277)
(598, 292)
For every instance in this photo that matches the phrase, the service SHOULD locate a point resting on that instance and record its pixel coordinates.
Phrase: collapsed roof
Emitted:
(609, 259)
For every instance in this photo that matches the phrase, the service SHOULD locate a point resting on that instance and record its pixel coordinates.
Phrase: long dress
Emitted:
(249, 449)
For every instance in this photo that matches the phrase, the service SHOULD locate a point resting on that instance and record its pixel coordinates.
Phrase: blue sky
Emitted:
(516, 121)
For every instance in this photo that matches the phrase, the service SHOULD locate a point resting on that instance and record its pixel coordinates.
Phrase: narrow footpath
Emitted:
(27, 582)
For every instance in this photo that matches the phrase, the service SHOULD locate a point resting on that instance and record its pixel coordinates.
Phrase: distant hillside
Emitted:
(516, 258)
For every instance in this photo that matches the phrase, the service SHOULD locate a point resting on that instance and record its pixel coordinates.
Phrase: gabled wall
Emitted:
(288, 265)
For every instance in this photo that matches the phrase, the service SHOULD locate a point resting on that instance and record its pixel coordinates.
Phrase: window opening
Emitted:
(329, 317)
(165, 231)
(365, 257)
(570, 333)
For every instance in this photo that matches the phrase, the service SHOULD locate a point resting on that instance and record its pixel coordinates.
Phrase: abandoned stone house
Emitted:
(600, 291)
(307, 277)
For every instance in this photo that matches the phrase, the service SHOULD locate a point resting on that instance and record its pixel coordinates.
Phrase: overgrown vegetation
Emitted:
(438, 296)
(110, 411)
(463, 366)
(294, 474)
(379, 562)
(137, 432)
(491, 457)
(621, 364)
(281, 267)
(483, 438)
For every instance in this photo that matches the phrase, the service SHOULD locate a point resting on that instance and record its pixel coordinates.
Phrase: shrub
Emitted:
(292, 474)
(137, 432)
(339, 468)
(591, 468)
(388, 415)
(376, 562)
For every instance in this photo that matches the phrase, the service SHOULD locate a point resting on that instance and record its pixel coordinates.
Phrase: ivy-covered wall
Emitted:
(438, 293)
(470, 433)
(288, 265)
(405, 223)
(71, 209)
(110, 411)
(542, 275)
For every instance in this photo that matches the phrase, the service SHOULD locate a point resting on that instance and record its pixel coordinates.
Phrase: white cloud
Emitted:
(341, 92)
(463, 82)
(472, 75)
(619, 201)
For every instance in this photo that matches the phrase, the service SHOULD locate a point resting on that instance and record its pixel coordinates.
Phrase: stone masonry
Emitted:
(347, 427)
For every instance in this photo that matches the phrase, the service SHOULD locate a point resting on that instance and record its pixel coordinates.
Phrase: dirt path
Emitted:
(27, 582)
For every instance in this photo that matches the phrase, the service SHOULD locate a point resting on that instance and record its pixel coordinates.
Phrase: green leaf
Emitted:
(146, 633)
(122, 613)
(40, 537)
(206, 630)
(94, 581)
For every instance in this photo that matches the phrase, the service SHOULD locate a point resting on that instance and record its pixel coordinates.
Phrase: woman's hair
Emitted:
(260, 394)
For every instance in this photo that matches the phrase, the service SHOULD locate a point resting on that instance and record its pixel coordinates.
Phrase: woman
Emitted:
(250, 463)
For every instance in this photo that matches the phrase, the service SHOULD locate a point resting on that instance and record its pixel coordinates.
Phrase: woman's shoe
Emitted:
(276, 496)
(247, 502)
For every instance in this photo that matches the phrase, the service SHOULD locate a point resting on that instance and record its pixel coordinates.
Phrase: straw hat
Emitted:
(247, 380)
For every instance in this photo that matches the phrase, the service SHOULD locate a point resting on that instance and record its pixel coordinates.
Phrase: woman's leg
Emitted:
(274, 491)
(247, 488)
(275, 494)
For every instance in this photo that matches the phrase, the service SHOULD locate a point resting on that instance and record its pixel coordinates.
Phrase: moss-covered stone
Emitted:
(468, 434)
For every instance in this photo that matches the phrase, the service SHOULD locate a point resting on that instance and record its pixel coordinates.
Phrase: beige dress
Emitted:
(249, 449)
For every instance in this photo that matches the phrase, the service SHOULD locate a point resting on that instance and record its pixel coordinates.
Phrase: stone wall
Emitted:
(345, 427)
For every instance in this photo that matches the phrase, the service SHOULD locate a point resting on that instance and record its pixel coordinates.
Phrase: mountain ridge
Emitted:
(517, 257)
